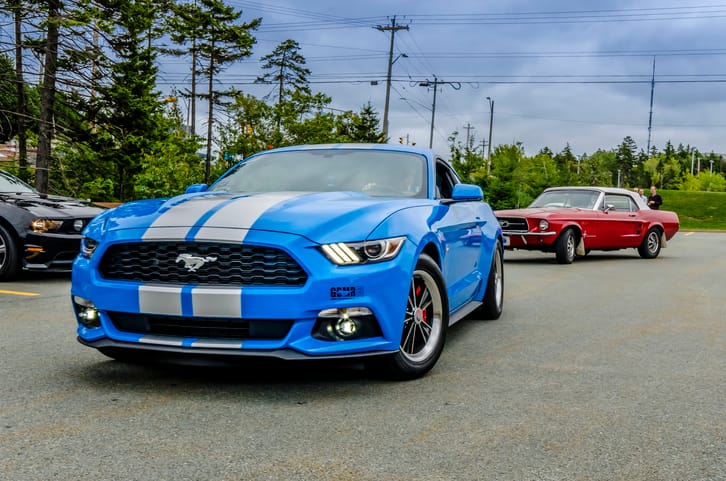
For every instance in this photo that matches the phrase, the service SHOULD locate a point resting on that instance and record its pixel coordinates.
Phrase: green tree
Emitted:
(223, 41)
(624, 162)
(8, 99)
(360, 127)
(468, 164)
(596, 169)
(130, 123)
(287, 71)
(185, 26)
(504, 185)
(567, 166)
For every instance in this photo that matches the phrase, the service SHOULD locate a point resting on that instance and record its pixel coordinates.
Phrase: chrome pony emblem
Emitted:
(192, 263)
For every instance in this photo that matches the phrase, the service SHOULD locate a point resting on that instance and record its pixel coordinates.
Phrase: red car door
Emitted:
(622, 226)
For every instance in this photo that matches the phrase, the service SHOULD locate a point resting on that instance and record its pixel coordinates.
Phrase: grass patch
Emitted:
(696, 210)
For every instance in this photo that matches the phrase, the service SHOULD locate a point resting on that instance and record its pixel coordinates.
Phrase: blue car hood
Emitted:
(321, 217)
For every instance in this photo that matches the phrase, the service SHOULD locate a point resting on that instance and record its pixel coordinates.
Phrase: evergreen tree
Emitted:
(185, 25)
(624, 161)
(361, 127)
(221, 42)
(567, 165)
(8, 99)
(287, 70)
(130, 123)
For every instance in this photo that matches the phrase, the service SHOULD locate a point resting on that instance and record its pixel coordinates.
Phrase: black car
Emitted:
(38, 232)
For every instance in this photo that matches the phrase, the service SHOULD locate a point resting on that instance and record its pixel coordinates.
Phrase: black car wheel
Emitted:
(9, 256)
(650, 247)
(493, 302)
(424, 327)
(565, 247)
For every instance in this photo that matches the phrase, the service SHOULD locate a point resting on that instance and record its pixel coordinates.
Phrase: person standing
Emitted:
(642, 196)
(654, 200)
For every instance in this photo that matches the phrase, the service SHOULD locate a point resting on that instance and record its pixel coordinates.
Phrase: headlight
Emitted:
(345, 253)
(45, 225)
(544, 225)
(88, 247)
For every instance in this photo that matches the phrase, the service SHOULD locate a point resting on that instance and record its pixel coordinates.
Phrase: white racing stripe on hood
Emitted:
(241, 215)
(175, 222)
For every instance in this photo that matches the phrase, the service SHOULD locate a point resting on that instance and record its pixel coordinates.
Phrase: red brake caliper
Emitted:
(423, 312)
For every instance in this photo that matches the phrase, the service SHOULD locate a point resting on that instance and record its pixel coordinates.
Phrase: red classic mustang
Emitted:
(573, 221)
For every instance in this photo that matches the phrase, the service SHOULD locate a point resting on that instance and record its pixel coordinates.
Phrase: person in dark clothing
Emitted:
(654, 200)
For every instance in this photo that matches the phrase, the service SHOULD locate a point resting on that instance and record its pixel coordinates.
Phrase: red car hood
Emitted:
(534, 212)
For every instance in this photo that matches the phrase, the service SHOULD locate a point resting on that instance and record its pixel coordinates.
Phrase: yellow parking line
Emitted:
(20, 293)
(689, 233)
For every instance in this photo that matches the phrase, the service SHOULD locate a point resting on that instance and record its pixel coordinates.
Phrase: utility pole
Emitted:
(468, 128)
(491, 122)
(650, 117)
(392, 28)
(435, 84)
(433, 113)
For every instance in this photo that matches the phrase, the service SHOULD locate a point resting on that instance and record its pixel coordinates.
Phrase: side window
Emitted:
(445, 180)
(619, 203)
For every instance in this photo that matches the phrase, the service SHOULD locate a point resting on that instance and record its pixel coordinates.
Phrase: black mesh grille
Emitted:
(224, 264)
(513, 224)
(200, 327)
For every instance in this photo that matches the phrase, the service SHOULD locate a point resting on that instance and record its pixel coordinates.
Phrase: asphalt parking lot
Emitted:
(611, 368)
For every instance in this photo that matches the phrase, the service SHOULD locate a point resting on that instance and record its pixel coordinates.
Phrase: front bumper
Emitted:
(301, 305)
(528, 240)
(50, 252)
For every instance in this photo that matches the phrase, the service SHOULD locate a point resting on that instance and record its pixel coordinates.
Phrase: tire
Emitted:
(565, 247)
(650, 248)
(10, 261)
(424, 326)
(493, 301)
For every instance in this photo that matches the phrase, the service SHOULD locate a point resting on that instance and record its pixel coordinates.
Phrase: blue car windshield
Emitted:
(11, 184)
(374, 172)
(582, 199)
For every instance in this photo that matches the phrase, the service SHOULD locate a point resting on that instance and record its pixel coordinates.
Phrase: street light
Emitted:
(399, 56)
(491, 122)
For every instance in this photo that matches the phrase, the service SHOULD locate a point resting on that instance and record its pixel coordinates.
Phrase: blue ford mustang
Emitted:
(307, 252)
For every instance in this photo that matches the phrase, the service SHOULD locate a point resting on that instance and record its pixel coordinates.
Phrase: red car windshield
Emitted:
(581, 199)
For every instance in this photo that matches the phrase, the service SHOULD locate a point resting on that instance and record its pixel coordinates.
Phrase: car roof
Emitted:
(606, 190)
(357, 146)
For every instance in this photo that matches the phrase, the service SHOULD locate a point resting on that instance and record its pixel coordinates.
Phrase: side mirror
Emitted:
(467, 192)
(194, 188)
(608, 208)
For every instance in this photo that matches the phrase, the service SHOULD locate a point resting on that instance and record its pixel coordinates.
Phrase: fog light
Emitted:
(346, 327)
(345, 324)
(86, 312)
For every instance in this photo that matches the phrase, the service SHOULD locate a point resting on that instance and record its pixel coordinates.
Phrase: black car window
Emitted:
(445, 180)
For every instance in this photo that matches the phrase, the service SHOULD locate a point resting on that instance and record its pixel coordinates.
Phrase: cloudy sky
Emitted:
(558, 72)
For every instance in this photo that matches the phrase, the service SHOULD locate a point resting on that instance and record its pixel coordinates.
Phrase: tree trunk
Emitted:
(21, 106)
(210, 119)
(193, 121)
(47, 98)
